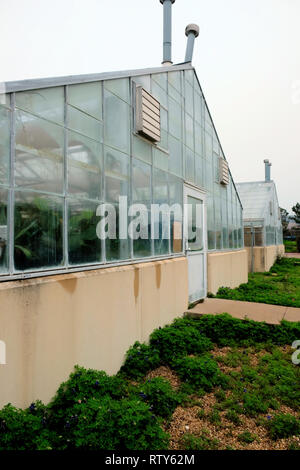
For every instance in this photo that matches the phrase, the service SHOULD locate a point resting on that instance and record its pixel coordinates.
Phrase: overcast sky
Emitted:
(247, 58)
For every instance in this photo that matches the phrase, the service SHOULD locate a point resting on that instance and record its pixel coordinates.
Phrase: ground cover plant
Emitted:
(280, 286)
(290, 246)
(212, 383)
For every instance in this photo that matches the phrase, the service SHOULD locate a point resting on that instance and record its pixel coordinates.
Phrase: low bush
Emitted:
(247, 438)
(178, 340)
(140, 358)
(200, 372)
(283, 425)
(25, 429)
(159, 394)
(201, 442)
(115, 425)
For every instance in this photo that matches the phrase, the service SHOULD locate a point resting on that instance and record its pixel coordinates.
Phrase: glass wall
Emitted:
(73, 148)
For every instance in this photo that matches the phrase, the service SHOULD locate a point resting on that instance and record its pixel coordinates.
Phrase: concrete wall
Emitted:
(89, 318)
(263, 257)
(226, 269)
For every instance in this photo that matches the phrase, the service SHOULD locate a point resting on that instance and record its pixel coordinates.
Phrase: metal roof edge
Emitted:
(38, 83)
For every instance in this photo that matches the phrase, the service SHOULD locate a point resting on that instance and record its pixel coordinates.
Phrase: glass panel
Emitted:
(116, 175)
(195, 224)
(198, 107)
(39, 154)
(189, 75)
(119, 87)
(160, 187)
(189, 129)
(116, 123)
(142, 247)
(198, 170)
(189, 101)
(160, 159)
(175, 197)
(3, 231)
(224, 221)
(198, 139)
(84, 244)
(218, 223)
(173, 93)
(38, 231)
(160, 196)
(211, 236)
(87, 97)
(142, 149)
(84, 167)
(86, 125)
(175, 80)
(161, 79)
(160, 94)
(175, 148)
(208, 146)
(4, 145)
(175, 119)
(189, 165)
(164, 140)
(141, 181)
(164, 119)
(47, 103)
(118, 248)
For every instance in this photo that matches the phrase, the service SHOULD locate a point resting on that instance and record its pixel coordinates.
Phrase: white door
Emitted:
(195, 242)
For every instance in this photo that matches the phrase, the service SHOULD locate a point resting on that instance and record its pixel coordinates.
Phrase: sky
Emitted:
(247, 58)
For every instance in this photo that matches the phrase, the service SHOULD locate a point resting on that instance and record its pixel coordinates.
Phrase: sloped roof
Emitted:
(34, 84)
(255, 197)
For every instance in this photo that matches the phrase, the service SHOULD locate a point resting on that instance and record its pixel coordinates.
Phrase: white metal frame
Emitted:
(197, 193)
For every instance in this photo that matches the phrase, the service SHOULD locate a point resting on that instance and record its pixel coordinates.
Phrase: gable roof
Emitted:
(255, 197)
(39, 83)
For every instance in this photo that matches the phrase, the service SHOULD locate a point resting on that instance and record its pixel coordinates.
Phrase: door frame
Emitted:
(198, 193)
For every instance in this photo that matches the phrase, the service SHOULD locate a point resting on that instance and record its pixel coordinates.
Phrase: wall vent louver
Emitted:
(223, 171)
(147, 115)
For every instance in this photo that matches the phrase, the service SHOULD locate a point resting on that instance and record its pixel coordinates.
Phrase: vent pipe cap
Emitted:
(162, 1)
(192, 28)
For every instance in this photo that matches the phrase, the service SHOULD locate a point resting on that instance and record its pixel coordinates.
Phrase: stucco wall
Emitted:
(263, 257)
(226, 269)
(88, 318)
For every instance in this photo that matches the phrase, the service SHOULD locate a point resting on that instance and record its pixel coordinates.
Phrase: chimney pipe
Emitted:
(167, 57)
(267, 170)
(192, 32)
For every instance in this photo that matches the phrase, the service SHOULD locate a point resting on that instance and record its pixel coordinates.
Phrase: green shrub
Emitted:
(254, 404)
(246, 437)
(140, 358)
(87, 383)
(178, 340)
(25, 429)
(201, 442)
(115, 425)
(159, 394)
(233, 416)
(283, 425)
(199, 372)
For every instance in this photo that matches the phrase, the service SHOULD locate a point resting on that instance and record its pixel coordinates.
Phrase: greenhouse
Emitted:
(117, 210)
(262, 221)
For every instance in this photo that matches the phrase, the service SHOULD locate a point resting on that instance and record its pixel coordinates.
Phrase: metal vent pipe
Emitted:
(192, 32)
(267, 170)
(167, 45)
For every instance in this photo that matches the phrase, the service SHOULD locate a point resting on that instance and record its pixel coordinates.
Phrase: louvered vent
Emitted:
(224, 171)
(147, 115)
